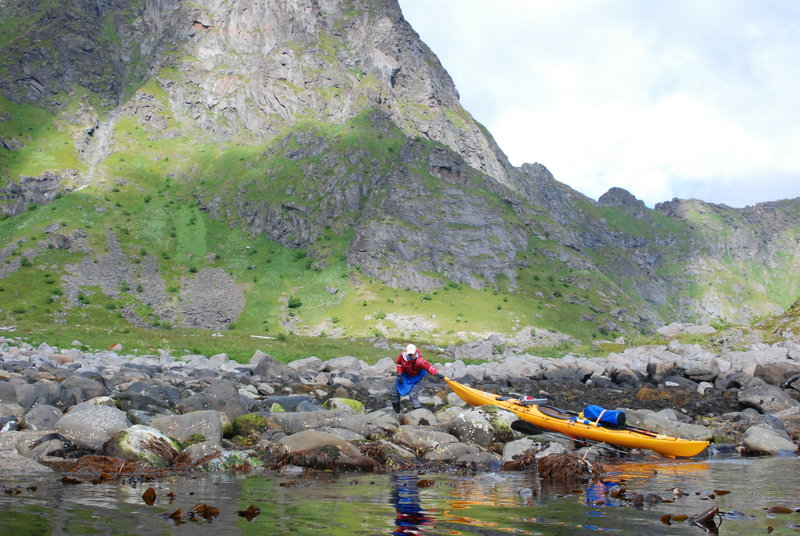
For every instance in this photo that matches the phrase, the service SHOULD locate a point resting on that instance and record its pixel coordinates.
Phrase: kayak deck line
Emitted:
(571, 424)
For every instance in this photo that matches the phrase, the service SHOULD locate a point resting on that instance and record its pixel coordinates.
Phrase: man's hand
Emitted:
(439, 375)
(400, 376)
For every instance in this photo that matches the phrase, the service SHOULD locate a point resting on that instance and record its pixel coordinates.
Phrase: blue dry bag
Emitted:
(405, 383)
(605, 416)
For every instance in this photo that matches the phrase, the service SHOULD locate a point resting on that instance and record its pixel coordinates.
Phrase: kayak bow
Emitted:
(553, 419)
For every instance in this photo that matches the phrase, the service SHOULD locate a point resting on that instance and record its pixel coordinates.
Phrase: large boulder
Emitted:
(84, 388)
(516, 448)
(421, 438)
(220, 395)
(776, 373)
(472, 426)
(266, 367)
(311, 439)
(462, 453)
(49, 393)
(142, 443)
(42, 417)
(148, 396)
(90, 426)
(767, 399)
(761, 439)
(204, 426)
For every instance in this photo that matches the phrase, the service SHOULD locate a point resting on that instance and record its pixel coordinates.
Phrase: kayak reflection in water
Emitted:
(405, 498)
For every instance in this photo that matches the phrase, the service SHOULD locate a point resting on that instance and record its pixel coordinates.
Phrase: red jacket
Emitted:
(413, 366)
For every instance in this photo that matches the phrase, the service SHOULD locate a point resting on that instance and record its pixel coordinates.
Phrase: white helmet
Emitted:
(411, 351)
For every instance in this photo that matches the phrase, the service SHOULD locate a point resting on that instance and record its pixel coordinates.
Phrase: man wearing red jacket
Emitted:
(411, 368)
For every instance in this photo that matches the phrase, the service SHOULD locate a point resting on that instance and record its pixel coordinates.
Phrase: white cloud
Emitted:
(671, 99)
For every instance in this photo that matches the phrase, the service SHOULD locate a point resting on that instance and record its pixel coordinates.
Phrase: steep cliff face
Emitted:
(328, 128)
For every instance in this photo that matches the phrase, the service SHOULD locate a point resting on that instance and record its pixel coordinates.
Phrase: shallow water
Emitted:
(480, 504)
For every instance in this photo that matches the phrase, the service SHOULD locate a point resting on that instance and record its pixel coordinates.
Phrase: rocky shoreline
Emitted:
(69, 410)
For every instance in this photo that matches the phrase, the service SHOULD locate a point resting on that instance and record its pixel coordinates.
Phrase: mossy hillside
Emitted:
(41, 142)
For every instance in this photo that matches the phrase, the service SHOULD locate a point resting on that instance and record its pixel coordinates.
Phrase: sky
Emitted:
(674, 98)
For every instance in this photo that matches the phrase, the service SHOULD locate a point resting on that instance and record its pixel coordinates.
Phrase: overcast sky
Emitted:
(678, 98)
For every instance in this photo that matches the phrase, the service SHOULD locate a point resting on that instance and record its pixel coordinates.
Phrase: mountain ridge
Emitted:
(326, 128)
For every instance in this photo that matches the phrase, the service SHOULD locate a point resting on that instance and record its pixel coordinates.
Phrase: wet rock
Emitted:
(330, 458)
(91, 426)
(462, 453)
(764, 440)
(198, 455)
(390, 455)
(515, 448)
(567, 468)
(311, 439)
(40, 445)
(142, 443)
(420, 438)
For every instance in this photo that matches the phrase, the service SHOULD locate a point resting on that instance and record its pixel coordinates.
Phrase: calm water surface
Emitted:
(482, 504)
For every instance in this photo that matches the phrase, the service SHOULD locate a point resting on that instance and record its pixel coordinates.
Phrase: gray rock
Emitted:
(295, 422)
(84, 388)
(49, 393)
(142, 443)
(472, 426)
(420, 417)
(461, 453)
(292, 403)
(776, 373)
(42, 417)
(222, 396)
(516, 448)
(419, 438)
(767, 399)
(311, 439)
(182, 427)
(760, 439)
(343, 364)
(308, 364)
(91, 426)
(198, 453)
(8, 392)
(266, 367)
(650, 420)
(149, 396)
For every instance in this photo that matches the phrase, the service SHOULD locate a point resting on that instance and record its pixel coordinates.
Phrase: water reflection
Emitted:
(410, 516)
(753, 497)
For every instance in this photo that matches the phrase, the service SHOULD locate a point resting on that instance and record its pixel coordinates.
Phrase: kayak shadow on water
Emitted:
(410, 517)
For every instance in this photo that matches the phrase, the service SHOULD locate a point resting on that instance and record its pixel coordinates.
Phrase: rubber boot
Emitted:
(396, 407)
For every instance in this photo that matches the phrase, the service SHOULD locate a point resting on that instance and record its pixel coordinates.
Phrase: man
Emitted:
(411, 368)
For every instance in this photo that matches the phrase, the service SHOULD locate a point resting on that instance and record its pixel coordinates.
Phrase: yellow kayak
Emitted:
(556, 420)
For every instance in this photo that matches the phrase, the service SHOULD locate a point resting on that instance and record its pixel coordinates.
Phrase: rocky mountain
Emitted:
(284, 165)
